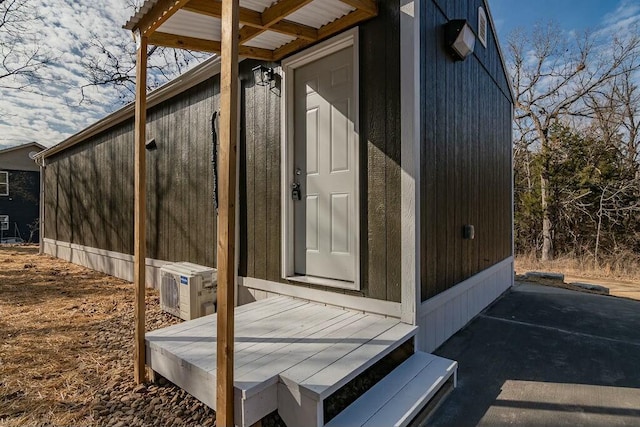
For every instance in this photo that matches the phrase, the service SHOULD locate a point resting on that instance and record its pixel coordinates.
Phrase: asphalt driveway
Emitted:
(543, 356)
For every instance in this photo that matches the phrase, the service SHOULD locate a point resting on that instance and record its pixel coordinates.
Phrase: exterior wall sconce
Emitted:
(468, 232)
(263, 76)
(460, 38)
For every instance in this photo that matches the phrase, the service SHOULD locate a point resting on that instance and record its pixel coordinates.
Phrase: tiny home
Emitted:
(374, 176)
(19, 193)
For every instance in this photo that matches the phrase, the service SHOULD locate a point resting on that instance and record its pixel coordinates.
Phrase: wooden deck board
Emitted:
(261, 306)
(263, 331)
(286, 356)
(333, 376)
(352, 337)
(270, 343)
(255, 328)
(281, 339)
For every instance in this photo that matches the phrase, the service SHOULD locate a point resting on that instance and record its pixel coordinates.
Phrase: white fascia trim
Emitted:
(366, 305)
(442, 298)
(343, 40)
(503, 63)
(410, 157)
(21, 146)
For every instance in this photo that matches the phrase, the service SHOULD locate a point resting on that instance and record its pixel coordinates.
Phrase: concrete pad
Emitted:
(545, 275)
(591, 287)
(543, 356)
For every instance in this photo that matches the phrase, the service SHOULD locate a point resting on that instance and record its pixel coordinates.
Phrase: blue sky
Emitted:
(571, 15)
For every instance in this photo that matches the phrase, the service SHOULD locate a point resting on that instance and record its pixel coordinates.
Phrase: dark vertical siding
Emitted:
(22, 204)
(260, 172)
(89, 192)
(466, 154)
(181, 219)
(89, 187)
(380, 153)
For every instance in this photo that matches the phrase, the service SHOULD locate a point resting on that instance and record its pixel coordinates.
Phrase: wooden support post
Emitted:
(140, 200)
(227, 210)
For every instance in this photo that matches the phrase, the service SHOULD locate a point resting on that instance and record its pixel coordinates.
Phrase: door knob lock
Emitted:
(295, 191)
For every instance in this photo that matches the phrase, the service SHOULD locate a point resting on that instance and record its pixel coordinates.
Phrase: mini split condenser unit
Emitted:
(188, 290)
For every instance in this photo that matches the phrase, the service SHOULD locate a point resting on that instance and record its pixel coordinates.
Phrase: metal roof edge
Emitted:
(25, 145)
(191, 78)
(502, 61)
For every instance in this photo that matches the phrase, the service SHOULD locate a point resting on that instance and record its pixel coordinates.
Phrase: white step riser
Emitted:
(401, 395)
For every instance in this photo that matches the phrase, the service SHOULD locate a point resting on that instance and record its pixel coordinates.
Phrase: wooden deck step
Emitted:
(399, 397)
(290, 355)
(304, 387)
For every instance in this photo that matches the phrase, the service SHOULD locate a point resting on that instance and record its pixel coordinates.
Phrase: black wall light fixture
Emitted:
(263, 76)
(460, 38)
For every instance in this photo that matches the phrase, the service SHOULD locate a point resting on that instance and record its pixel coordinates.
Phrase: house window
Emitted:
(4, 183)
(4, 222)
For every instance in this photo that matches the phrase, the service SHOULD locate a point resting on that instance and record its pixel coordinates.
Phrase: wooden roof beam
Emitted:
(273, 15)
(278, 11)
(203, 45)
(295, 29)
(213, 8)
(254, 20)
(158, 15)
(324, 32)
(368, 6)
(283, 27)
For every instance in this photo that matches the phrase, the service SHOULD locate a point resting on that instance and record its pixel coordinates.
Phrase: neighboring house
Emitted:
(20, 193)
(375, 171)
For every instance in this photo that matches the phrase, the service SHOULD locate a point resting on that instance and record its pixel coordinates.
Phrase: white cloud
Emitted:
(624, 19)
(626, 9)
(51, 111)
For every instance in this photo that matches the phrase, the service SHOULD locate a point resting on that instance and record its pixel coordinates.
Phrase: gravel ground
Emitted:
(66, 350)
(121, 403)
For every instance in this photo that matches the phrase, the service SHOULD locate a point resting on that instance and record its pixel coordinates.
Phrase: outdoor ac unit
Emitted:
(188, 290)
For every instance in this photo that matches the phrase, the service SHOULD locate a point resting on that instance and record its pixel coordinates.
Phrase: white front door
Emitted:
(326, 150)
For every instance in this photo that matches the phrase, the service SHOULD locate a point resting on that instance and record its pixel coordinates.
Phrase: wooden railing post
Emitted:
(226, 212)
(140, 200)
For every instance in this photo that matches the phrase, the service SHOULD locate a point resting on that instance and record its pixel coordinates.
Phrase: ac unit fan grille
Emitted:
(170, 294)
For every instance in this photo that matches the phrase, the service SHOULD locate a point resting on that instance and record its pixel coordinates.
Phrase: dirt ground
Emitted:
(66, 349)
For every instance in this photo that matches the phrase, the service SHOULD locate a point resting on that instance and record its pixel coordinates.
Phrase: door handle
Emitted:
(296, 194)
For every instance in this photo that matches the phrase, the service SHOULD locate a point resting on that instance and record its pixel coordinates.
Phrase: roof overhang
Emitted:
(40, 147)
(268, 30)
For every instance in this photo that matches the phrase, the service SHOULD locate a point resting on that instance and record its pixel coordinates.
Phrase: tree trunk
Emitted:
(547, 236)
(595, 255)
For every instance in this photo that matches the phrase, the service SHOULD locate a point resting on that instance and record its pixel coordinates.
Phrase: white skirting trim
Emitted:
(112, 263)
(443, 315)
(251, 289)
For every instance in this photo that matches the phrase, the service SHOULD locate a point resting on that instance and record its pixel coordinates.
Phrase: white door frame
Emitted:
(344, 40)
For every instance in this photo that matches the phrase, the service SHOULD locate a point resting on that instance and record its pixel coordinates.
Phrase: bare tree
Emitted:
(21, 54)
(553, 75)
(114, 63)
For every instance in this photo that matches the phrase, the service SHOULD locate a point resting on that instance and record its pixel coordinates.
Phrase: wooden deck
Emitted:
(290, 355)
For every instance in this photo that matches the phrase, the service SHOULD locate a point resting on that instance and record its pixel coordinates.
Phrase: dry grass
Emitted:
(57, 345)
(624, 268)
